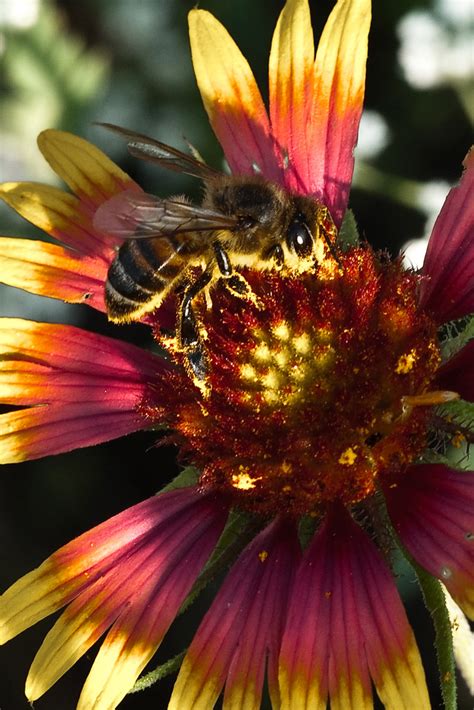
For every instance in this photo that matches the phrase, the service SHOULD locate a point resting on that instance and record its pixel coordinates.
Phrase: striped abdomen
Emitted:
(141, 274)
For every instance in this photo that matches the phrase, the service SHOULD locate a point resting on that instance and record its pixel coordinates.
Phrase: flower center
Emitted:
(311, 391)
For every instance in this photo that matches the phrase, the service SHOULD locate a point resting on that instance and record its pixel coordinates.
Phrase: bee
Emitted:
(172, 245)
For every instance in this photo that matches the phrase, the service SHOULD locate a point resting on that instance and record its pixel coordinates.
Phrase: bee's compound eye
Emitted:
(299, 238)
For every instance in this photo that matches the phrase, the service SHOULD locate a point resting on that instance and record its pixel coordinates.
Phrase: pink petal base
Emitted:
(432, 510)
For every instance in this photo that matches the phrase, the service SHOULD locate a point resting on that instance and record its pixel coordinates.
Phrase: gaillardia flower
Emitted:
(330, 392)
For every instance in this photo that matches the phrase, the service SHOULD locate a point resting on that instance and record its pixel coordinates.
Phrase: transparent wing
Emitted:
(152, 150)
(135, 215)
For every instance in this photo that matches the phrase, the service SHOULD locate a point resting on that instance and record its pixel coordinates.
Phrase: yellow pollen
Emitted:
(263, 555)
(281, 358)
(298, 373)
(248, 372)
(286, 467)
(244, 482)
(406, 362)
(271, 380)
(271, 397)
(348, 457)
(458, 440)
(262, 352)
(302, 343)
(281, 331)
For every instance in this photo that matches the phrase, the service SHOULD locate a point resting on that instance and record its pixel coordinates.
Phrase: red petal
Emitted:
(457, 374)
(244, 623)
(345, 621)
(432, 509)
(85, 388)
(448, 290)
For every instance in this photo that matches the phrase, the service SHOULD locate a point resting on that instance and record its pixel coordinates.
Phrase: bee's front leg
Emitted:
(233, 280)
(189, 335)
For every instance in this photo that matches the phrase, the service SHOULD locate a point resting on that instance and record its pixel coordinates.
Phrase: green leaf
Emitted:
(455, 335)
(348, 234)
(436, 604)
(455, 460)
(188, 477)
(460, 412)
(158, 673)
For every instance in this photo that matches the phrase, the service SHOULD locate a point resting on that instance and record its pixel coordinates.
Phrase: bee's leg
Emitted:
(329, 233)
(189, 336)
(234, 281)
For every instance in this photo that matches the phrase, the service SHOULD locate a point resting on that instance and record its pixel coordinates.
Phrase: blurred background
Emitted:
(67, 64)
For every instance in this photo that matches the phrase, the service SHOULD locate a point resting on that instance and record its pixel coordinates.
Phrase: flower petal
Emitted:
(90, 174)
(231, 98)
(432, 509)
(244, 623)
(128, 572)
(338, 98)
(51, 270)
(358, 627)
(291, 84)
(448, 289)
(61, 215)
(457, 374)
(84, 388)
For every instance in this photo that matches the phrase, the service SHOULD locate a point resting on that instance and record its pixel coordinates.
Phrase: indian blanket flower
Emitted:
(318, 432)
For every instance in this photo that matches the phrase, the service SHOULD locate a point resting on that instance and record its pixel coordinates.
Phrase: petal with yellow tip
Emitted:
(51, 270)
(358, 631)
(339, 87)
(242, 628)
(231, 98)
(291, 83)
(127, 574)
(89, 173)
(61, 215)
(79, 388)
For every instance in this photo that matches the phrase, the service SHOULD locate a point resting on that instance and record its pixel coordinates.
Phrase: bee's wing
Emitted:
(137, 215)
(152, 150)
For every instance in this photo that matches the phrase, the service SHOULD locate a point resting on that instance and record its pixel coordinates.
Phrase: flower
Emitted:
(318, 422)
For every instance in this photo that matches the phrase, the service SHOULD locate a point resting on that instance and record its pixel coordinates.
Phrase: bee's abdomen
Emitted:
(141, 270)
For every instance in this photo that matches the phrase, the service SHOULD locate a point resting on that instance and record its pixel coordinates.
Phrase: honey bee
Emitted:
(172, 245)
